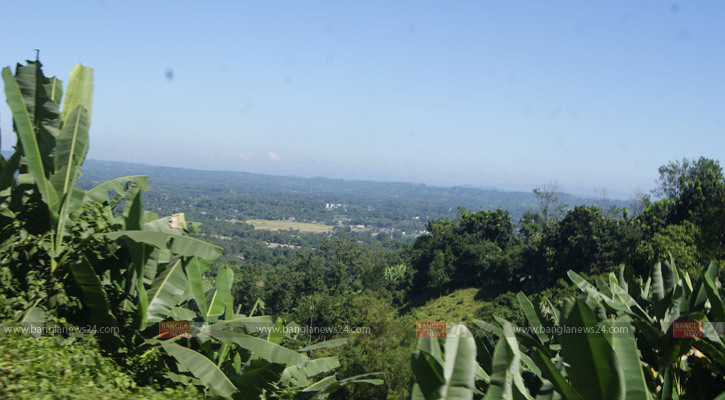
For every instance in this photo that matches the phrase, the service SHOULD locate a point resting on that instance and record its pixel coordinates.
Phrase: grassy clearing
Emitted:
(271, 225)
(461, 305)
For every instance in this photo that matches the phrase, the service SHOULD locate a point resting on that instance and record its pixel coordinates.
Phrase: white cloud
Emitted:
(245, 157)
(273, 156)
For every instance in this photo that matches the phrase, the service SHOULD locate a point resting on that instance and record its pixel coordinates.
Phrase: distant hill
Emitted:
(242, 195)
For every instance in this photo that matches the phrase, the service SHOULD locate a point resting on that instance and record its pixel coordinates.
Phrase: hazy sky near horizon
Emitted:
(487, 93)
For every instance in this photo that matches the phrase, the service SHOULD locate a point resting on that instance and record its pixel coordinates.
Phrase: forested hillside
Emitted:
(240, 195)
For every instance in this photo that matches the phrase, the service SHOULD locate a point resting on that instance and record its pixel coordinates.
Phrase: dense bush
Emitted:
(70, 368)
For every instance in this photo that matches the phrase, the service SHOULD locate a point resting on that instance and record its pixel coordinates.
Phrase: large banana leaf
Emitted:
(222, 299)
(100, 193)
(256, 380)
(96, 298)
(70, 201)
(276, 334)
(26, 137)
(431, 346)
(41, 96)
(586, 287)
(202, 368)
(717, 311)
(658, 283)
(70, 150)
(133, 210)
(532, 316)
(165, 292)
(603, 287)
(526, 340)
(172, 224)
(550, 372)
(34, 317)
(156, 261)
(299, 375)
(259, 347)
(459, 368)
(79, 91)
(506, 381)
(631, 305)
(250, 325)
(178, 244)
(318, 366)
(141, 255)
(594, 371)
(427, 366)
(628, 357)
(664, 283)
(196, 287)
(182, 314)
(54, 88)
(699, 294)
(322, 388)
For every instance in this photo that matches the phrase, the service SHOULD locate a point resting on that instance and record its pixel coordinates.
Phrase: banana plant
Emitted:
(617, 341)
(52, 145)
(449, 377)
(667, 299)
(52, 142)
(237, 356)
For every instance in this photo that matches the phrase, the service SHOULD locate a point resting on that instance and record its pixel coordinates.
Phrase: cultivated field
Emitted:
(275, 245)
(288, 225)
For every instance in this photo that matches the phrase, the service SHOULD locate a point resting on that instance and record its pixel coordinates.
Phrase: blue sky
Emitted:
(508, 94)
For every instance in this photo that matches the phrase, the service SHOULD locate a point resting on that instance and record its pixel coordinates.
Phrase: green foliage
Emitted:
(385, 348)
(616, 341)
(69, 368)
(694, 184)
(450, 377)
(395, 273)
(679, 240)
(504, 306)
(475, 250)
(587, 241)
(696, 191)
(531, 227)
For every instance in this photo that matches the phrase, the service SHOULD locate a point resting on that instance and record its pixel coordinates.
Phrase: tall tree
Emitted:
(697, 190)
(551, 207)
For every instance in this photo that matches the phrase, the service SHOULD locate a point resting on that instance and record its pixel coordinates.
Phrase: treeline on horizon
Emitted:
(241, 195)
